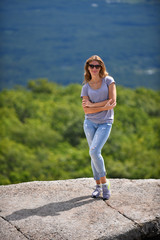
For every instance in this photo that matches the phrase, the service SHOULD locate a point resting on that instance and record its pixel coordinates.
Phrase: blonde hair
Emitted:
(102, 73)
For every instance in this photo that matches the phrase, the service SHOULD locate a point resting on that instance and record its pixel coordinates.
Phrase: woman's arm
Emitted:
(112, 95)
(89, 104)
(112, 92)
(109, 105)
(90, 107)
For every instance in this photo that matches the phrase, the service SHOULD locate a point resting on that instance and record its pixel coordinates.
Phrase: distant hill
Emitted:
(52, 39)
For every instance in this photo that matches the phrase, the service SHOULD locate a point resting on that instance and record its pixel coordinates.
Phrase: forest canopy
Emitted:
(42, 138)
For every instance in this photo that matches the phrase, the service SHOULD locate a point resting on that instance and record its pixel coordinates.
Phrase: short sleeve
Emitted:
(109, 80)
(84, 91)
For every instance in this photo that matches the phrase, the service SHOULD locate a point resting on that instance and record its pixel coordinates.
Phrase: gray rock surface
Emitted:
(64, 210)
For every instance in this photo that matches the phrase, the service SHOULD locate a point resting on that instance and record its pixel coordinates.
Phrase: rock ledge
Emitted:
(64, 210)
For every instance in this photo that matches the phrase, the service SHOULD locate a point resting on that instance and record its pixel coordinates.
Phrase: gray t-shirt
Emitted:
(99, 95)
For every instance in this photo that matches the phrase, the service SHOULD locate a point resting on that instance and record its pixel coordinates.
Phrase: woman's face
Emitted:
(94, 68)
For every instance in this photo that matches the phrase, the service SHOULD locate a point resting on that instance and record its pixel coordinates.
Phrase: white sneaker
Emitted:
(97, 191)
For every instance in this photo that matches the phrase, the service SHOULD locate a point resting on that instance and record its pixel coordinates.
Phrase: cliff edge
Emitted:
(64, 210)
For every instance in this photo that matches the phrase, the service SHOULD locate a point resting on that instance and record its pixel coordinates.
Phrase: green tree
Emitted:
(42, 137)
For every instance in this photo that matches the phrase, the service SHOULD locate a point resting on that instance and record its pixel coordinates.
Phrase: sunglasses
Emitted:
(96, 66)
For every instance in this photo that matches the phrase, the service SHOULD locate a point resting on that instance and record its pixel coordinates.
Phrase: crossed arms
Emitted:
(90, 107)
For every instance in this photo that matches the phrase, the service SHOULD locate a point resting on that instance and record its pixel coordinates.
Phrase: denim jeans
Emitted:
(97, 135)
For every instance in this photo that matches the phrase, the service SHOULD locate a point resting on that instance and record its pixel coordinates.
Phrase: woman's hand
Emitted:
(110, 104)
(86, 103)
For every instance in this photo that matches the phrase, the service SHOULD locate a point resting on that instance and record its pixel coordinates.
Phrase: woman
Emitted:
(99, 99)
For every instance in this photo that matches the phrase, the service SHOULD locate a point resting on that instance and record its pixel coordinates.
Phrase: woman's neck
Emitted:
(96, 79)
(95, 83)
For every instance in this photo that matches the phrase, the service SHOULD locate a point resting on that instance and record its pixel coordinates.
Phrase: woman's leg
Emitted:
(100, 137)
(96, 136)
(103, 180)
(90, 129)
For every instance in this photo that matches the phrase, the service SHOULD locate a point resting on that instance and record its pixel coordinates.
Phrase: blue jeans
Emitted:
(97, 135)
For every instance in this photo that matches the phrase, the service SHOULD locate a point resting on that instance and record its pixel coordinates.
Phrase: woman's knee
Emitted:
(94, 152)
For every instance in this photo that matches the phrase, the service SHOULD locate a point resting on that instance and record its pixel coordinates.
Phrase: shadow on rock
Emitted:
(51, 209)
